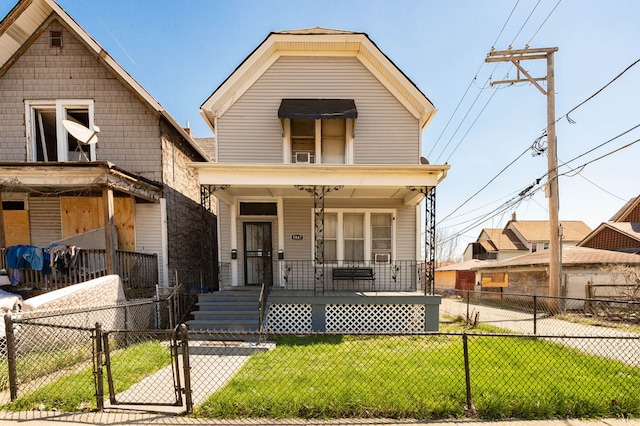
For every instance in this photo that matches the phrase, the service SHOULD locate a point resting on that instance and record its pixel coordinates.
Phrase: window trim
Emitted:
(60, 105)
(367, 231)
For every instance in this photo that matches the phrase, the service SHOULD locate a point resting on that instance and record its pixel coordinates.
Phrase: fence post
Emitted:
(184, 343)
(11, 357)
(468, 300)
(535, 314)
(98, 369)
(471, 410)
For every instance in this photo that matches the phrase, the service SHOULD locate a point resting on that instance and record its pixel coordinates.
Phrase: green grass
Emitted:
(38, 364)
(423, 377)
(75, 391)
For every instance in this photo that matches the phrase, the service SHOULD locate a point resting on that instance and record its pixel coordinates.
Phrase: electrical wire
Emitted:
(471, 83)
(596, 93)
(487, 184)
(525, 22)
(544, 22)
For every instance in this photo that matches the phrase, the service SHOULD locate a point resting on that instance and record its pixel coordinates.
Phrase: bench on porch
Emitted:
(353, 273)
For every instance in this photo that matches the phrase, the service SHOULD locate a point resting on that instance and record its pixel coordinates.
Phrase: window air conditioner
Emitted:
(303, 157)
(382, 258)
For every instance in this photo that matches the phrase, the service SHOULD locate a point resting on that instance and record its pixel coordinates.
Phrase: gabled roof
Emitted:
(538, 230)
(311, 42)
(571, 256)
(630, 229)
(27, 20)
(498, 239)
(622, 215)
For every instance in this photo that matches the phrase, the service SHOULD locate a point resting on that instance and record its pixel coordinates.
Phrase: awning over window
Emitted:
(318, 108)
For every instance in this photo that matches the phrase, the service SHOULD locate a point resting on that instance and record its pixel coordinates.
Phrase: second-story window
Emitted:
(318, 130)
(47, 138)
(318, 139)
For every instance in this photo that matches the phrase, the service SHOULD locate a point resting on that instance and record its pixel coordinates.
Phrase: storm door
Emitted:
(257, 253)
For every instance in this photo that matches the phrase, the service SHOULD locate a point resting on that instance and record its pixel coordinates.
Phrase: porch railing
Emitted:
(396, 276)
(138, 271)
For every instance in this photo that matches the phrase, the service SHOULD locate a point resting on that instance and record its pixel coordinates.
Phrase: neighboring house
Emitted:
(581, 267)
(621, 233)
(317, 167)
(130, 195)
(522, 236)
(493, 244)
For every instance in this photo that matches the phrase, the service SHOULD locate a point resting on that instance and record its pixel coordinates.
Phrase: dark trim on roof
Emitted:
(317, 108)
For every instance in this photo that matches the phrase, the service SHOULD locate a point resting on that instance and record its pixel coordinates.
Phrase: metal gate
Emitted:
(153, 371)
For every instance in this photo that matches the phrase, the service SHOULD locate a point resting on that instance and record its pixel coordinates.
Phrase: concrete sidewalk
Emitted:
(44, 418)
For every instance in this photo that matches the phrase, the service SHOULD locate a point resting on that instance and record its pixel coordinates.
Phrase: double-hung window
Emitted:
(48, 140)
(355, 236)
(318, 130)
(318, 141)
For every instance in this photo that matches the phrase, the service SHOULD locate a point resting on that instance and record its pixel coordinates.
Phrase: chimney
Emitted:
(513, 216)
(188, 129)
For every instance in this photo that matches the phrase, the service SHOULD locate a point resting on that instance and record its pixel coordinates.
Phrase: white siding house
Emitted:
(318, 168)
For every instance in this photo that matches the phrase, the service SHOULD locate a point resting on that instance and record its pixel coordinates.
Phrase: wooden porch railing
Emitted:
(138, 271)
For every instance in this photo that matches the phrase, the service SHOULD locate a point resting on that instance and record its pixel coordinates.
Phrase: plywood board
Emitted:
(124, 220)
(82, 214)
(16, 227)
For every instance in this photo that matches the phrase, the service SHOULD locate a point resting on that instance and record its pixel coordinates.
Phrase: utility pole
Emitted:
(515, 57)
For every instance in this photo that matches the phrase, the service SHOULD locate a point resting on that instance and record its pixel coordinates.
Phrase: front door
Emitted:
(257, 253)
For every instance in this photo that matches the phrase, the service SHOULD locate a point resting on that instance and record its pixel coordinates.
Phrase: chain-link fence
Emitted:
(485, 370)
(529, 314)
(49, 359)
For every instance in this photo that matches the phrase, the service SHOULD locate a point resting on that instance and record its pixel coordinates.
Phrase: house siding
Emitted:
(385, 133)
(129, 136)
(609, 239)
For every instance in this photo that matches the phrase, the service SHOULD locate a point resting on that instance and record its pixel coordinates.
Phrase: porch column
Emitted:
(319, 192)
(429, 238)
(280, 212)
(108, 209)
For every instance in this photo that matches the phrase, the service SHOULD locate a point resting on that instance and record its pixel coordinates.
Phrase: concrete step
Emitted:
(232, 309)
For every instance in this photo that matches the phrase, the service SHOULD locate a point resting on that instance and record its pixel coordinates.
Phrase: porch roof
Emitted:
(232, 180)
(75, 177)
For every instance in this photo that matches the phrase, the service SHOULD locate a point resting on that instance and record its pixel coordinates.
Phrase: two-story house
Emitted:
(520, 237)
(123, 199)
(318, 169)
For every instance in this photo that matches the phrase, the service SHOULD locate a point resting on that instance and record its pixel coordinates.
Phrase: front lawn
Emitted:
(76, 391)
(423, 377)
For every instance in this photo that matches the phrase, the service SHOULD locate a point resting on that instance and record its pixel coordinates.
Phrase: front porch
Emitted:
(138, 272)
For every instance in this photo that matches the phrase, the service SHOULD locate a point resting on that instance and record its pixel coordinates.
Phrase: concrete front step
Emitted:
(231, 309)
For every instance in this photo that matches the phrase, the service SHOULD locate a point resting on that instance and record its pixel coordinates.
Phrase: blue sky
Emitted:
(181, 51)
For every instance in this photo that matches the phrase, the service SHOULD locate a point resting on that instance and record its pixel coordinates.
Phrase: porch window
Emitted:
(381, 224)
(354, 236)
(331, 237)
(47, 138)
(351, 235)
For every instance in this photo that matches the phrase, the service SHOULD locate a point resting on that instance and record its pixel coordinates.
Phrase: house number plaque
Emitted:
(297, 237)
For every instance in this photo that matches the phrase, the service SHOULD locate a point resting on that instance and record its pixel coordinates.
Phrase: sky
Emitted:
(180, 51)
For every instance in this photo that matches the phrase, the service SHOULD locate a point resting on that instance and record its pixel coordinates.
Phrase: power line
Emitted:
(596, 93)
(487, 184)
(544, 22)
(525, 22)
(464, 95)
